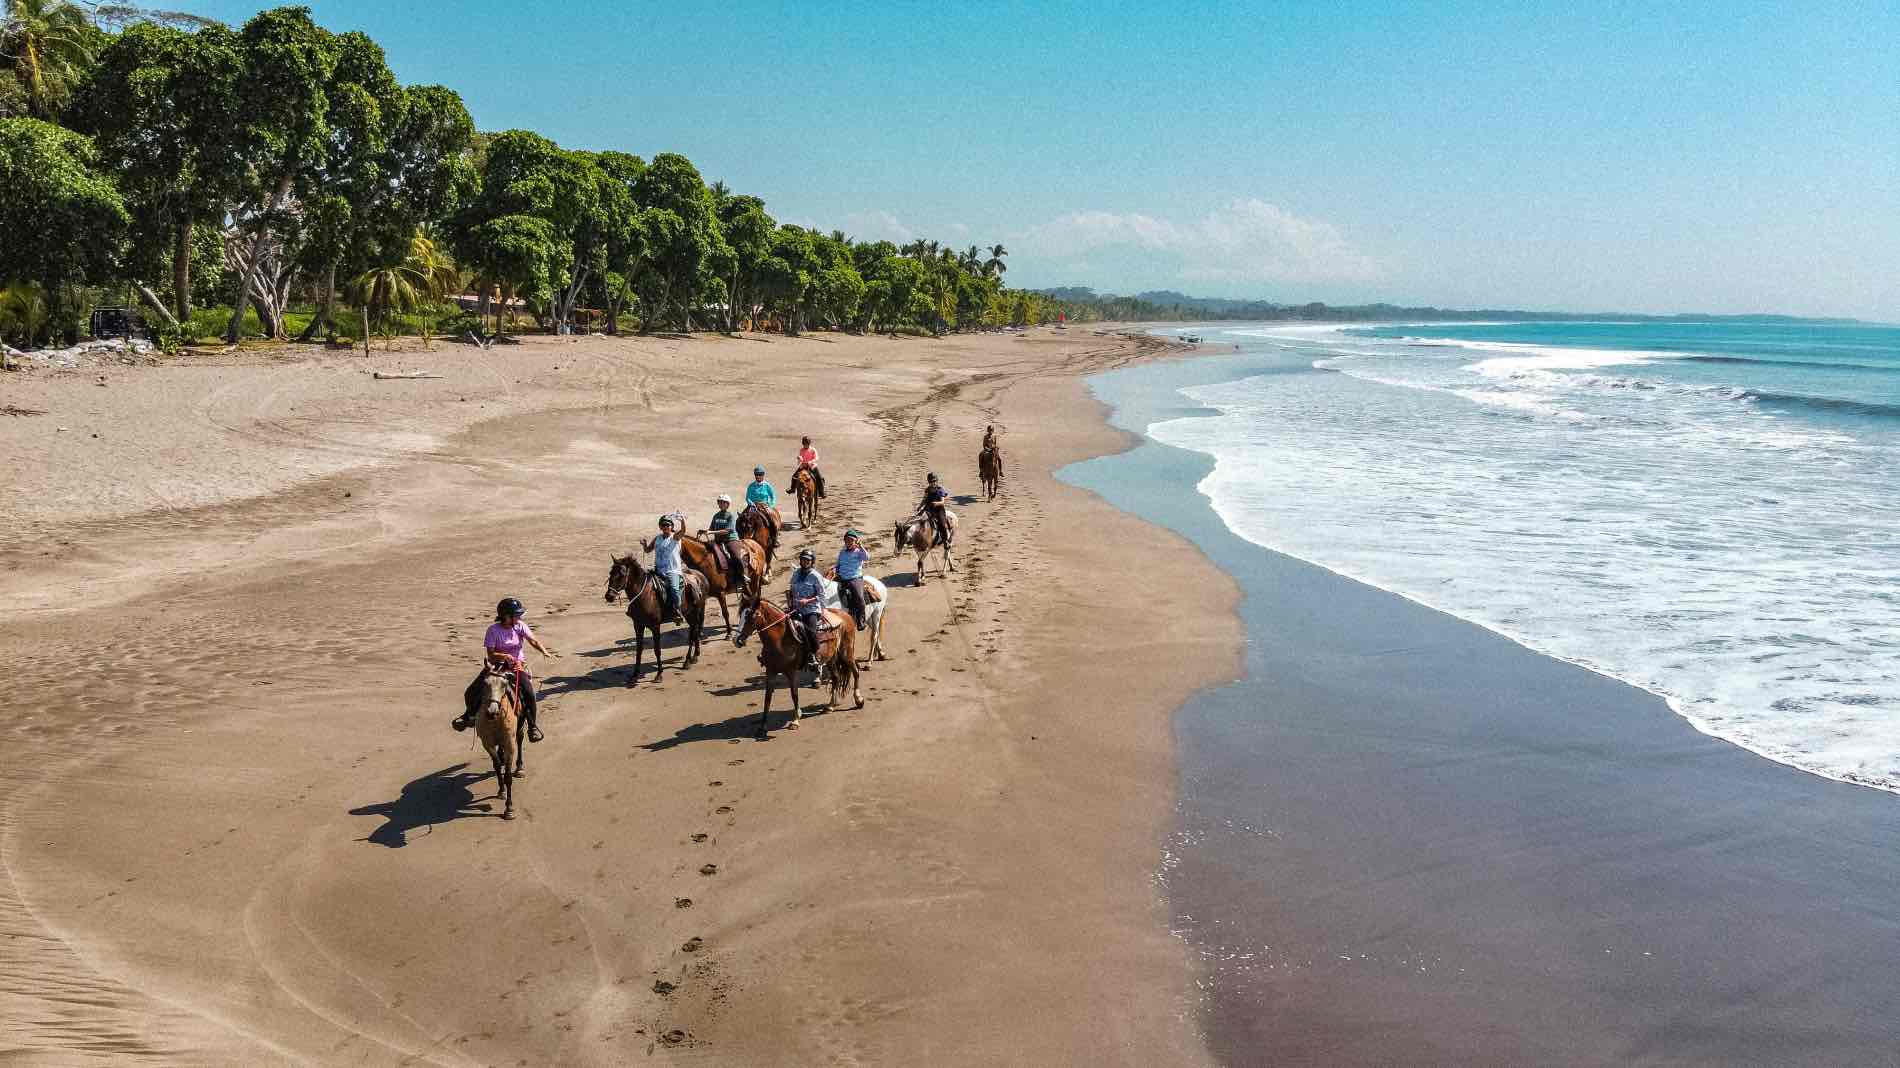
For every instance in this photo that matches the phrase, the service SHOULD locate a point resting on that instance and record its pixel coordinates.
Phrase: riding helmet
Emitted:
(666, 520)
(722, 499)
(509, 606)
(758, 470)
(931, 477)
(853, 533)
(806, 554)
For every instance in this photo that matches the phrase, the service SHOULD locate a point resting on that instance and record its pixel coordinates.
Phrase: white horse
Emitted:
(873, 612)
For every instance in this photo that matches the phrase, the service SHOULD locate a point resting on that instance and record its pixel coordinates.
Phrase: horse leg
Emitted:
(521, 751)
(639, 651)
(766, 712)
(922, 578)
(797, 712)
(724, 613)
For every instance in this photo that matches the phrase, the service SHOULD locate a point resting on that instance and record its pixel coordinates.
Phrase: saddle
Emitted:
(829, 622)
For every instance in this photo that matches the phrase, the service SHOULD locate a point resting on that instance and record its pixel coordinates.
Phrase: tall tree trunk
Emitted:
(366, 328)
(613, 318)
(181, 270)
(326, 311)
(481, 303)
(277, 196)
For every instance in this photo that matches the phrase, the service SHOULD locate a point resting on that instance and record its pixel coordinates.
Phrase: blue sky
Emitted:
(1644, 157)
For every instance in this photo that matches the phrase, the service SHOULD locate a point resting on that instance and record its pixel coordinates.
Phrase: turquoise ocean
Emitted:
(1704, 510)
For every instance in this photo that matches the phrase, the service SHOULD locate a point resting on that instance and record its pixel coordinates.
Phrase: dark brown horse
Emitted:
(989, 466)
(807, 489)
(499, 726)
(759, 525)
(781, 653)
(699, 556)
(646, 608)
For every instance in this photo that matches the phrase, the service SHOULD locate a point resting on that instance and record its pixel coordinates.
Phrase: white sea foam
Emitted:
(1733, 562)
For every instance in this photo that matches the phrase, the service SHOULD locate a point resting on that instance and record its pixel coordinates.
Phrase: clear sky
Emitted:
(1645, 156)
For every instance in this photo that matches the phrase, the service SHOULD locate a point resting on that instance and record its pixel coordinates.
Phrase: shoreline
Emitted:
(1406, 838)
(222, 776)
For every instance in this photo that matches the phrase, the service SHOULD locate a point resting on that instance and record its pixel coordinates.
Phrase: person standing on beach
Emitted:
(808, 459)
(505, 638)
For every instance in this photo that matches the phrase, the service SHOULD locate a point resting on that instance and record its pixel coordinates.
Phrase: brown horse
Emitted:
(918, 535)
(759, 525)
(645, 608)
(781, 653)
(989, 466)
(698, 555)
(499, 727)
(807, 489)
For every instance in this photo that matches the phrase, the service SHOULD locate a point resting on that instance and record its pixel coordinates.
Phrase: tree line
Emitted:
(279, 163)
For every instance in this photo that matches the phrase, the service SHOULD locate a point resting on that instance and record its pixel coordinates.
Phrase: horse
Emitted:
(698, 555)
(873, 612)
(781, 653)
(807, 489)
(499, 726)
(759, 525)
(645, 608)
(920, 536)
(989, 467)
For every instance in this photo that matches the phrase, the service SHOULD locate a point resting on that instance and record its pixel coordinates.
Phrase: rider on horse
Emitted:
(723, 527)
(935, 506)
(806, 600)
(759, 494)
(989, 438)
(851, 560)
(504, 639)
(808, 460)
(666, 564)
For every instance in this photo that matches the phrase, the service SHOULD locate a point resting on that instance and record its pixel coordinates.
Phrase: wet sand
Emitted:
(1408, 840)
(236, 829)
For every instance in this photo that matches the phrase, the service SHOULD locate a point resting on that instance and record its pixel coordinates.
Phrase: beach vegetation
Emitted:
(267, 180)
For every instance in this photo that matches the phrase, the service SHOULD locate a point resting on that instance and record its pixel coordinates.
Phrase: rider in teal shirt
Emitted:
(760, 492)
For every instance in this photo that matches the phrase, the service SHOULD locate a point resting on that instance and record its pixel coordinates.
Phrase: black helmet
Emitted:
(509, 606)
(758, 470)
(806, 554)
(931, 477)
(666, 520)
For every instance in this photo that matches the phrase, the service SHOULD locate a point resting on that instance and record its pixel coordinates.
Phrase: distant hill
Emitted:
(1084, 304)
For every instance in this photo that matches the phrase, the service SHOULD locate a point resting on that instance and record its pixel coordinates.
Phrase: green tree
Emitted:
(160, 107)
(682, 238)
(65, 221)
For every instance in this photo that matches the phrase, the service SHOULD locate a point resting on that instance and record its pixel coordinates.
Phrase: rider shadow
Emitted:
(438, 797)
(901, 580)
(964, 498)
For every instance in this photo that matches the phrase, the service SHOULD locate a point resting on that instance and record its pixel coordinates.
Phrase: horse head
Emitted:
(497, 686)
(900, 533)
(624, 576)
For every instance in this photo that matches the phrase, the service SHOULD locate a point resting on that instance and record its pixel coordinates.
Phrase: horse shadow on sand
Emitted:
(614, 675)
(745, 724)
(438, 797)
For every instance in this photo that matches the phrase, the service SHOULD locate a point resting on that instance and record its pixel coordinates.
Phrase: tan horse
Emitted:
(807, 489)
(918, 535)
(759, 525)
(781, 653)
(698, 555)
(644, 607)
(499, 727)
(989, 467)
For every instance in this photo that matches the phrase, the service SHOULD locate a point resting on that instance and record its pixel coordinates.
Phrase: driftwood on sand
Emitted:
(388, 375)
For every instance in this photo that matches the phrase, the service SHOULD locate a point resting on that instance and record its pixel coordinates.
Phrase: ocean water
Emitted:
(1707, 511)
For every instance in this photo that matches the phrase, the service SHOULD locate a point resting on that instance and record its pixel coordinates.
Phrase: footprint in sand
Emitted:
(682, 902)
(692, 945)
(699, 837)
(709, 869)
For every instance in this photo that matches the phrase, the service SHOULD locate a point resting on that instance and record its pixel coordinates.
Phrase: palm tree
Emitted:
(49, 44)
(995, 265)
(434, 272)
(381, 290)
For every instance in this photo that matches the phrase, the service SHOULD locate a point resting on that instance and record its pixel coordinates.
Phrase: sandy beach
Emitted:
(243, 593)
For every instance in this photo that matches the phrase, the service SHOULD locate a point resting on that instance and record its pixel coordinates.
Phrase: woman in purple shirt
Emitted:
(504, 639)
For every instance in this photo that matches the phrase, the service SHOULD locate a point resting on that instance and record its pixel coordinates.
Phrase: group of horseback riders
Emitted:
(505, 639)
